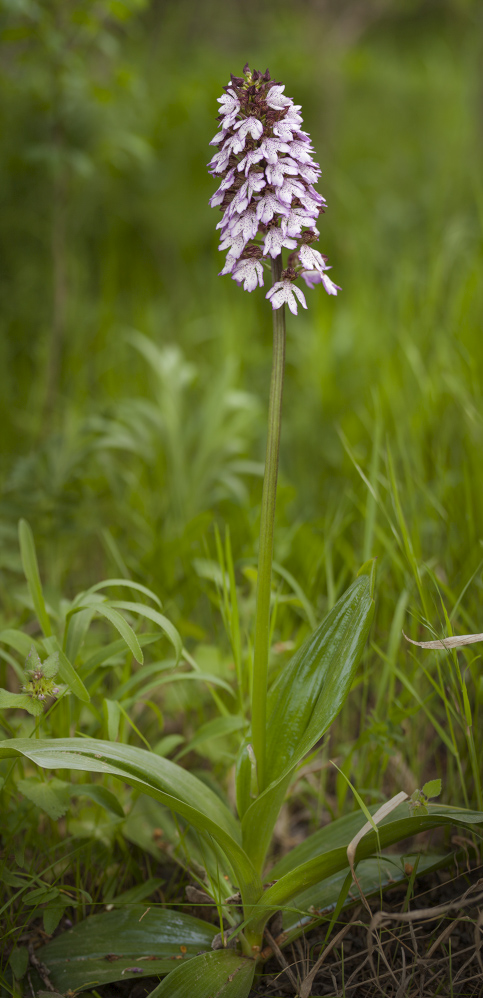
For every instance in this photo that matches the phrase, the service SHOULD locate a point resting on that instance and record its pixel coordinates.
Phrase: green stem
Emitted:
(267, 520)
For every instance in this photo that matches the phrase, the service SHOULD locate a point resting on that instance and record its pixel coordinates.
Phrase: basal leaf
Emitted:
(373, 875)
(104, 947)
(221, 973)
(396, 827)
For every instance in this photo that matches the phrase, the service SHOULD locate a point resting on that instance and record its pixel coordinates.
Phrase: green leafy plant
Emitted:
(289, 715)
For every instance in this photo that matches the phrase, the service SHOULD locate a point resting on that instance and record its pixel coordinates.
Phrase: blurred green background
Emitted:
(134, 380)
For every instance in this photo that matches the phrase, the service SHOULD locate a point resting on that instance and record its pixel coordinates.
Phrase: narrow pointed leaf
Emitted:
(66, 670)
(221, 973)
(77, 626)
(18, 640)
(121, 625)
(157, 618)
(125, 583)
(31, 570)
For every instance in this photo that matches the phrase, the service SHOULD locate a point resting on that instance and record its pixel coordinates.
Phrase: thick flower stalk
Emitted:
(267, 191)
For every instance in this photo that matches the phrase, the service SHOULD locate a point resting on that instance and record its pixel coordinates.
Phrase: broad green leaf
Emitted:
(373, 874)
(303, 702)
(394, 828)
(148, 939)
(66, 670)
(311, 689)
(52, 797)
(213, 729)
(21, 701)
(31, 570)
(221, 973)
(155, 776)
(336, 833)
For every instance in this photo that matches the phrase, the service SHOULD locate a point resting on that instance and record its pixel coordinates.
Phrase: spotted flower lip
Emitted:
(266, 171)
(284, 292)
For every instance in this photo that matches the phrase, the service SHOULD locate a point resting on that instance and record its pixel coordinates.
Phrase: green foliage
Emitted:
(132, 382)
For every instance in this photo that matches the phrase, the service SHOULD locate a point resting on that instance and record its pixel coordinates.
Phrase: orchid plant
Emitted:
(269, 205)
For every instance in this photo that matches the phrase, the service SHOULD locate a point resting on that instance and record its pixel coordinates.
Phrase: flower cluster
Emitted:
(40, 682)
(267, 192)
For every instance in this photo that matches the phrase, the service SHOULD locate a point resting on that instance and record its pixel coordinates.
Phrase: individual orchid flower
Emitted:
(264, 160)
(283, 292)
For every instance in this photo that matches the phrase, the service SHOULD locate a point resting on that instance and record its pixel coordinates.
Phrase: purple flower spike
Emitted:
(265, 163)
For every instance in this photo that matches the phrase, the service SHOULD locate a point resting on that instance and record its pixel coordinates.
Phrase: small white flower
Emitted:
(253, 156)
(290, 189)
(311, 259)
(283, 292)
(310, 172)
(270, 148)
(254, 183)
(234, 244)
(250, 272)
(268, 206)
(249, 125)
(301, 151)
(295, 219)
(274, 240)
(275, 172)
(276, 98)
(230, 106)
(218, 138)
(246, 224)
